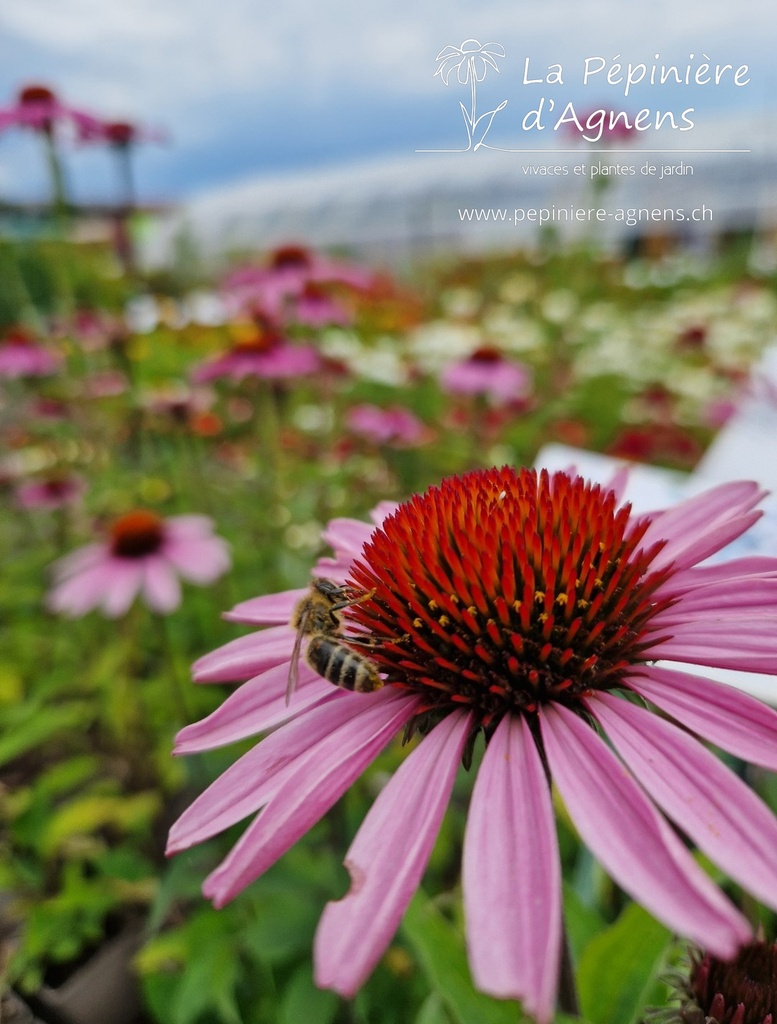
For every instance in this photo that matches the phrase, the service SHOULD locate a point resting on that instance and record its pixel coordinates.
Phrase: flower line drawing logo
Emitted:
(471, 62)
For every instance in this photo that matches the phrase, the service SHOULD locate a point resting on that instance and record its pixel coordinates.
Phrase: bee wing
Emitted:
(293, 679)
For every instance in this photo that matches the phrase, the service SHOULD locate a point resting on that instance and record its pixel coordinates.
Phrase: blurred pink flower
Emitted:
(530, 608)
(120, 134)
(50, 492)
(395, 425)
(487, 372)
(314, 306)
(38, 108)
(22, 356)
(270, 357)
(279, 288)
(144, 555)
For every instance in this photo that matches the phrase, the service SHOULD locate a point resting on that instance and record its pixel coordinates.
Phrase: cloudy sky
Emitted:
(246, 86)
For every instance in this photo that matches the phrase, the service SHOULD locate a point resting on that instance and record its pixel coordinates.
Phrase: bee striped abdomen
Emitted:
(342, 666)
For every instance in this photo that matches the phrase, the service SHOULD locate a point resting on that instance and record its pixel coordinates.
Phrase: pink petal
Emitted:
(79, 593)
(347, 536)
(703, 524)
(126, 582)
(200, 560)
(245, 657)
(191, 526)
(749, 646)
(511, 875)
(77, 561)
(735, 598)
(268, 609)
(730, 719)
(633, 842)
(256, 706)
(250, 782)
(725, 818)
(161, 588)
(320, 778)
(387, 859)
(749, 568)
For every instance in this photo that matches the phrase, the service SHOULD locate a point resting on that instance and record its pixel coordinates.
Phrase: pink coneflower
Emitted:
(37, 107)
(22, 356)
(395, 425)
(50, 492)
(279, 287)
(143, 554)
(487, 372)
(315, 306)
(529, 608)
(738, 991)
(268, 355)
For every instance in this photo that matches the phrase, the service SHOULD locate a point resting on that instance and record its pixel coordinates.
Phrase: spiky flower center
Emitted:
(290, 256)
(505, 589)
(742, 991)
(486, 355)
(137, 534)
(36, 94)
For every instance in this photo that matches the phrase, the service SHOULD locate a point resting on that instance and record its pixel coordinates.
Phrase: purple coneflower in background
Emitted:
(51, 492)
(144, 554)
(38, 108)
(395, 425)
(22, 356)
(527, 607)
(279, 288)
(265, 353)
(487, 372)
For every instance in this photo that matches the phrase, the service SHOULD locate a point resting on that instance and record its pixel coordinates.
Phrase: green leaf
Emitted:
(33, 727)
(433, 1011)
(302, 1001)
(582, 922)
(618, 967)
(439, 947)
(284, 925)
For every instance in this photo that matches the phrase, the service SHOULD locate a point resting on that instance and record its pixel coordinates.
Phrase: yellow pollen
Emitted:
(582, 604)
(561, 599)
(539, 596)
(517, 606)
(444, 620)
(418, 623)
(433, 606)
(472, 610)
(598, 582)
(542, 617)
(454, 598)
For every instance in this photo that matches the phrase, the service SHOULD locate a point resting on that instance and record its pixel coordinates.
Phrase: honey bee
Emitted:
(317, 616)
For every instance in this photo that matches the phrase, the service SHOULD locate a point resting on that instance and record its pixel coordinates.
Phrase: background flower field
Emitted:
(183, 393)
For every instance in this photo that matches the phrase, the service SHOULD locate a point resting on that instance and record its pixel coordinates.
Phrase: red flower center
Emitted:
(505, 589)
(36, 94)
(136, 534)
(742, 991)
(18, 336)
(120, 133)
(486, 354)
(290, 256)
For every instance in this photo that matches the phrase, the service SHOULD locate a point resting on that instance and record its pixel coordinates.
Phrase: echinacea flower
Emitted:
(279, 288)
(50, 492)
(22, 356)
(37, 107)
(395, 425)
(738, 991)
(488, 373)
(528, 608)
(271, 357)
(144, 555)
